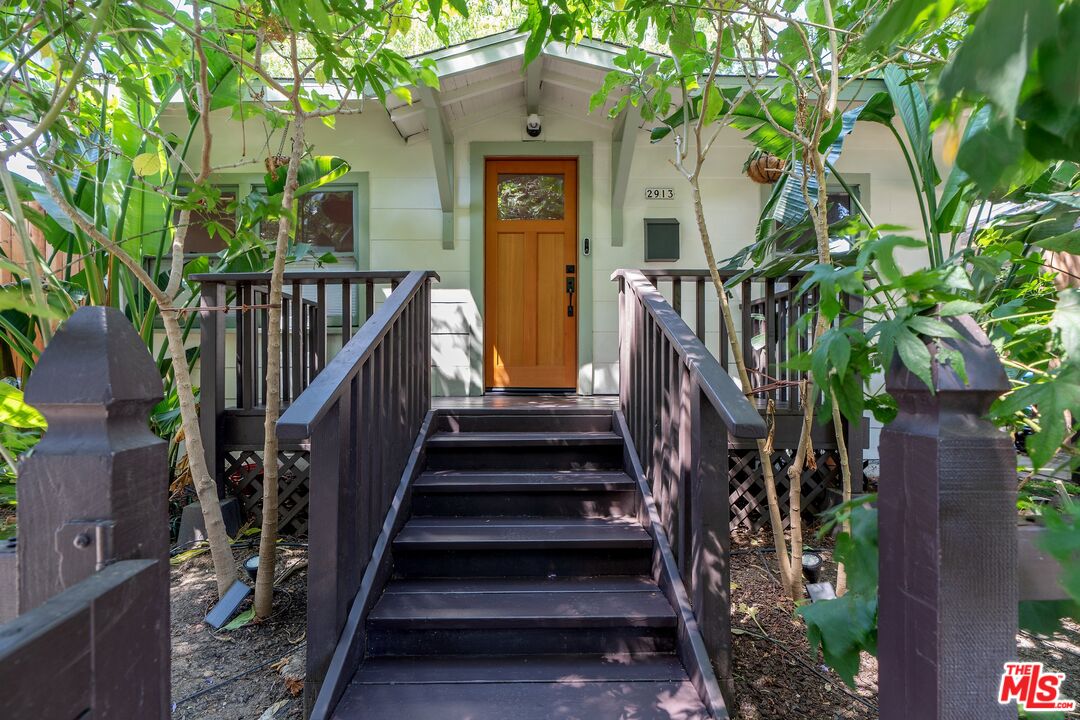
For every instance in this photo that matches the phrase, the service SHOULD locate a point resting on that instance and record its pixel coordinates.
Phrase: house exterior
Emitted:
(525, 300)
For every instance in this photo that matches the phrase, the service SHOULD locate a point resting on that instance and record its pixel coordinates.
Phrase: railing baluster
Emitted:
(699, 297)
(676, 294)
(246, 341)
(346, 312)
(286, 370)
(297, 336)
(320, 326)
(212, 378)
(770, 332)
(747, 329)
(369, 299)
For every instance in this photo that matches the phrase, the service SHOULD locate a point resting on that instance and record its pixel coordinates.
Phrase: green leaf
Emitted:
(915, 356)
(992, 61)
(910, 103)
(895, 22)
(241, 620)
(146, 164)
(15, 412)
(990, 152)
(1066, 243)
(931, 327)
(841, 628)
(1044, 616)
(1066, 321)
(958, 307)
(313, 172)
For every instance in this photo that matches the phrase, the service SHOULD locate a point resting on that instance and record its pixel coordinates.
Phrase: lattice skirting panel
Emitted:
(749, 503)
(244, 476)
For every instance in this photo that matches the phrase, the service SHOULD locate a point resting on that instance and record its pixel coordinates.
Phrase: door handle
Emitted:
(570, 292)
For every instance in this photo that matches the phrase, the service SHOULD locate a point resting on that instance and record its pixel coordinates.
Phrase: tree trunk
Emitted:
(264, 581)
(845, 474)
(205, 486)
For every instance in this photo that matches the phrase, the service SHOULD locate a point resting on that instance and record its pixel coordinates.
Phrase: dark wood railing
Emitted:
(772, 321)
(681, 409)
(320, 309)
(360, 418)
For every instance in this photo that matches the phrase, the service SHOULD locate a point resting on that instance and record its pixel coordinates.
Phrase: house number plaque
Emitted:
(659, 193)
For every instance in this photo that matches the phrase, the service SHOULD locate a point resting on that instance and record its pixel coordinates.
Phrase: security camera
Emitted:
(532, 125)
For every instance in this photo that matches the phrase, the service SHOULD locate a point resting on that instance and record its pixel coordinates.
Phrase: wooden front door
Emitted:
(530, 274)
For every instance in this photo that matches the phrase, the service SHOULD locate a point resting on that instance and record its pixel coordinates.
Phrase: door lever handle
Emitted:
(570, 292)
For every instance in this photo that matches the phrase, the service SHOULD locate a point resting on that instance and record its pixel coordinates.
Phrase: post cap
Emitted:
(95, 358)
(985, 373)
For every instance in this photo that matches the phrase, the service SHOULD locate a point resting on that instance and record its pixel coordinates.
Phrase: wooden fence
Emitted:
(92, 636)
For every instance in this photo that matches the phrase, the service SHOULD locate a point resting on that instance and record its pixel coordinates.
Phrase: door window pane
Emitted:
(326, 221)
(530, 197)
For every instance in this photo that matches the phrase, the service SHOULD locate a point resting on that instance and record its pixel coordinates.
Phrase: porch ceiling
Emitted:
(478, 81)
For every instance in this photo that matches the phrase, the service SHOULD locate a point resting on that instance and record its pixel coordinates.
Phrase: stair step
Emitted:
(568, 699)
(528, 421)
(455, 481)
(448, 493)
(601, 584)
(491, 606)
(521, 533)
(522, 439)
(614, 667)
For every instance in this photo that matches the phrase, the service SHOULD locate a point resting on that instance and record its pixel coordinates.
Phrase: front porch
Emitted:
(328, 315)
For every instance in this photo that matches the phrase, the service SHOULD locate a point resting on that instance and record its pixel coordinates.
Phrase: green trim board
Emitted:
(583, 151)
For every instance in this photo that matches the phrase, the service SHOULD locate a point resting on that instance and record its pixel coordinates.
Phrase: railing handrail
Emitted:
(296, 423)
(304, 277)
(740, 416)
(671, 273)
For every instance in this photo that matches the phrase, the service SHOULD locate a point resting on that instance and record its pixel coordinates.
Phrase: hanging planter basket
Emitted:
(764, 168)
(274, 163)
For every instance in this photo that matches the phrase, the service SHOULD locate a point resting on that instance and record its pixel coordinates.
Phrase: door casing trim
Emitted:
(583, 151)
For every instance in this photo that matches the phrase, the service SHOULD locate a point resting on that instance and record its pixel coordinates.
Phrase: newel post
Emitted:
(94, 490)
(947, 512)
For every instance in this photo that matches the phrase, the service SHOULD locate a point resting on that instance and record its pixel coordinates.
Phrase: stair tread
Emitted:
(490, 606)
(601, 584)
(567, 700)
(550, 532)
(511, 481)
(517, 439)
(520, 668)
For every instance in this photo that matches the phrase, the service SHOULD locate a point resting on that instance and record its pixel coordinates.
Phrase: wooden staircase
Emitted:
(524, 584)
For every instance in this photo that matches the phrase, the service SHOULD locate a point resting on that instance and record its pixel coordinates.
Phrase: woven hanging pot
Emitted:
(274, 163)
(764, 168)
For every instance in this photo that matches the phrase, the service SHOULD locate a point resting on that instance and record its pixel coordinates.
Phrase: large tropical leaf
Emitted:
(790, 207)
(910, 103)
(313, 173)
(953, 208)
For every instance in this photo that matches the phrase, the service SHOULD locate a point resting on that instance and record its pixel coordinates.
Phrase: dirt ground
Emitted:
(252, 673)
(776, 677)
